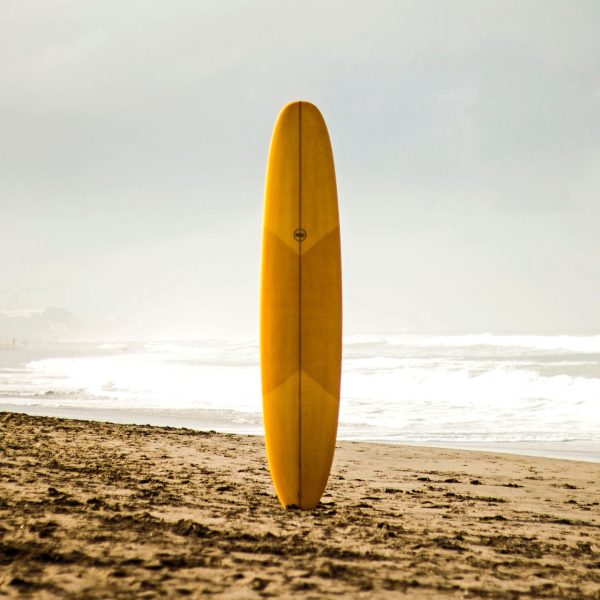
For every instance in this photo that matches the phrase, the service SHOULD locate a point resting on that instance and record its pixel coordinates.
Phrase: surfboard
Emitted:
(301, 306)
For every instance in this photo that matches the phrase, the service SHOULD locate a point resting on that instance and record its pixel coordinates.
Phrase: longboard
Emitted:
(301, 307)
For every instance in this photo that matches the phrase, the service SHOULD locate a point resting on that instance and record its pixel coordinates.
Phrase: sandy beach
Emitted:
(99, 510)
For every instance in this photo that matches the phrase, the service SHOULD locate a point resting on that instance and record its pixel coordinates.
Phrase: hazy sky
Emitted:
(134, 137)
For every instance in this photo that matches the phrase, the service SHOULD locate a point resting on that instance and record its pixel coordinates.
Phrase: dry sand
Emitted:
(97, 510)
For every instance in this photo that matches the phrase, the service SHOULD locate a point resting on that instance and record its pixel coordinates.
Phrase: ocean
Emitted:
(537, 395)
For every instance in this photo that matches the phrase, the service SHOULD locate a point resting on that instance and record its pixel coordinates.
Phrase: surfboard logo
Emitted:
(299, 235)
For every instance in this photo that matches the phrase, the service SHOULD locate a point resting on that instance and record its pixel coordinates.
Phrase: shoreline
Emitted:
(481, 392)
(132, 511)
(200, 420)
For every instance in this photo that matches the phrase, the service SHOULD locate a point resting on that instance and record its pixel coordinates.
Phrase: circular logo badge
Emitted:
(299, 235)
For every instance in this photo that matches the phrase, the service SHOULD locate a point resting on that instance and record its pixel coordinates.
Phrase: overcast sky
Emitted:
(134, 137)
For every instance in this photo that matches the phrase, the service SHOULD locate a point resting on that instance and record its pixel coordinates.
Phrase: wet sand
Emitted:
(98, 510)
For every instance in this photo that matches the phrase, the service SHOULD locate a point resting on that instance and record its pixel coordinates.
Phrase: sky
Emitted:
(134, 137)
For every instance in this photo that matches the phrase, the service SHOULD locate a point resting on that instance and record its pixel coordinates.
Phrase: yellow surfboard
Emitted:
(301, 307)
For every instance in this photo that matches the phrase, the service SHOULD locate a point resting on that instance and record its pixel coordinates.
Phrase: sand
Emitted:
(99, 510)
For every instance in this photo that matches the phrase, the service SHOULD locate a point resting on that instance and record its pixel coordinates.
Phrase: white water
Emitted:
(529, 394)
